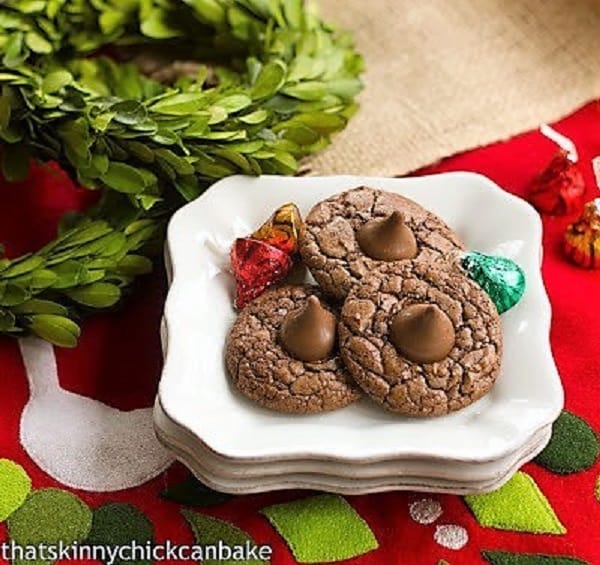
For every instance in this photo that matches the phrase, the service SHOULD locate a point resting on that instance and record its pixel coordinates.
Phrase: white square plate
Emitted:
(343, 478)
(195, 391)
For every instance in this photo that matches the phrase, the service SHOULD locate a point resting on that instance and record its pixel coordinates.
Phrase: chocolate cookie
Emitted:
(419, 339)
(282, 353)
(348, 235)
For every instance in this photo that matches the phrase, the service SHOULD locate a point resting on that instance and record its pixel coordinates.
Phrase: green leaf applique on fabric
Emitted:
(49, 516)
(519, 506)
(321, 529)
(573, 446)
(212, 531)
(15, 485)
(118, 524)
(505, 558)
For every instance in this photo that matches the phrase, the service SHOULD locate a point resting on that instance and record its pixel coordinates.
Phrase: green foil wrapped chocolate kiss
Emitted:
(501, 278)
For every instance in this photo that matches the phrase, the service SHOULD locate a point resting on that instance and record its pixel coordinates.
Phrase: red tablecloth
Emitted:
(118, 362)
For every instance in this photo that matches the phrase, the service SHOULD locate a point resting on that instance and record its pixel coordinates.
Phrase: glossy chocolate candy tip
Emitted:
(422, 333)
(309, 333)
(387, 239)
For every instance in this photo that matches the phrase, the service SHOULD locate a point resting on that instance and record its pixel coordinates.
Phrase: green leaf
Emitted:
(97, 295)
(14, 51)
(210, 11)
(102, 121)
(166, 137)
(294, 10)
(56, 329)
(270, 79)
(100, 163)
(23, 266)
(321, 122)
(224, 135)
(180, 104)
(517, 506)
(286, 162)
(310, 90)
(15, 162)
(106, 246)
(42, 278)
(215, 169)
(208, 530)
(140, 151)
(75, 135)
(235, 102)
(178, 163)
(129, 112)
(311, 527)
(118, 524)
(111, 20)
(156, 25)
(90, 276)
(138, 225)
(15, 485)
(147, 201)
(31, 6)
(83, 234)
(7, 323)
(247, 147)
(49, 516)
(198, 128)
(345, 88)
(304, 68)
(12, 294)
(39, 306)
(124, 178)
(573, 446)
(506, 558)
(134, 265)
(56, 80)
(254, 118)
(236, 158)
(302, 135)
(188, 187)
(218, 114)
(37, 42)
(67, 274)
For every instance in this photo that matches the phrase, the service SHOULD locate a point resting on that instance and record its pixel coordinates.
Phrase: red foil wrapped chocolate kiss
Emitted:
(266, 257)
(256, 266)
(558, 189)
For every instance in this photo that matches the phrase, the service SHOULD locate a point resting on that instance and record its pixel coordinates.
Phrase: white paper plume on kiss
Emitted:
(561, 140)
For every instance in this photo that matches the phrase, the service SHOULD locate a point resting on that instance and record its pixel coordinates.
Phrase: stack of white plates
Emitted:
(235, 446)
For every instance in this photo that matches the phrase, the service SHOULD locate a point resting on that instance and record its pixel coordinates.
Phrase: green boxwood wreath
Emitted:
(279, 84)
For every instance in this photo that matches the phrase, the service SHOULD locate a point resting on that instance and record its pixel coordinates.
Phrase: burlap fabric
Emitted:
(444, 76)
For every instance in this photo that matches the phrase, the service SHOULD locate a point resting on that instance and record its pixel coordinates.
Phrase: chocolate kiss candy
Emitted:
(501, 278)
(256, 266)
(282, 229)
(308, 333)
(422, 333)
(582, 238)
(387, 239)
(559, 188)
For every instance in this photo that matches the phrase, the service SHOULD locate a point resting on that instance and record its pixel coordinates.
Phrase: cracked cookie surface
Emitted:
(420, 389)
(263, 371)
(328, 243)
